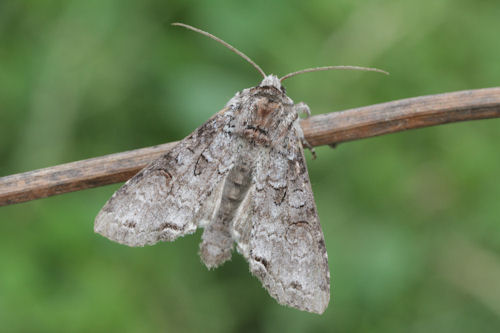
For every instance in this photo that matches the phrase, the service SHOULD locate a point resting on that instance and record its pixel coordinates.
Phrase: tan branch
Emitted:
(330, 128)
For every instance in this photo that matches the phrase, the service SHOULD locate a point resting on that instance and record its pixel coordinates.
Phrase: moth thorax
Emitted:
(271, 81)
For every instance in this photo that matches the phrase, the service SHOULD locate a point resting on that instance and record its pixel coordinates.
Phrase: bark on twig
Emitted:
(330, 128)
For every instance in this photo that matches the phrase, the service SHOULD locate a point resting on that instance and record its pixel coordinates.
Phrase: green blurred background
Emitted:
(411, 220)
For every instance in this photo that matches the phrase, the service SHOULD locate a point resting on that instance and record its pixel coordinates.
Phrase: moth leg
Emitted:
(303, 108)
(302, 138)
(308, 146)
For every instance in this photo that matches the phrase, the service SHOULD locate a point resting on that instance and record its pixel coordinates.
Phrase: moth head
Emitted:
(271, 81)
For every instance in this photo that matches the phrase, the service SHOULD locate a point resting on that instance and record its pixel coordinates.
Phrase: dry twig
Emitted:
(330, 128)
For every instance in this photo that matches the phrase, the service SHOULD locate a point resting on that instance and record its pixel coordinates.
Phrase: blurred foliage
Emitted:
(411, 220)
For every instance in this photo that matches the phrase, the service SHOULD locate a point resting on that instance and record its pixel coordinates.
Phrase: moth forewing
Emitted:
(286, 248)
(169, 197)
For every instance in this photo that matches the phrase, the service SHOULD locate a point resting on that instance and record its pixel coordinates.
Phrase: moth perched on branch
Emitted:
(323, 129)
(241, 176)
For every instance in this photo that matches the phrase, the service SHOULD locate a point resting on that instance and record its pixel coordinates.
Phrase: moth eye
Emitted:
(283, 90)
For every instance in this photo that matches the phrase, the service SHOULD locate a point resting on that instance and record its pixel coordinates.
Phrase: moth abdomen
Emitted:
(217, 240)
(235, 188)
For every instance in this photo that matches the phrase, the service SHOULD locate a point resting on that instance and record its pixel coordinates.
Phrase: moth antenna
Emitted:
(327, 68)
(229, 46)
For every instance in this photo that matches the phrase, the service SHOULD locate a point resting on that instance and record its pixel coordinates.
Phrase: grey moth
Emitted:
(242, 177)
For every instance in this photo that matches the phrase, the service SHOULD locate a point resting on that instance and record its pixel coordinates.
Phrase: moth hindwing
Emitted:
(242, 176)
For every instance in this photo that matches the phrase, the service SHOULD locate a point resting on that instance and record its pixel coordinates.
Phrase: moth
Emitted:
(242, 177)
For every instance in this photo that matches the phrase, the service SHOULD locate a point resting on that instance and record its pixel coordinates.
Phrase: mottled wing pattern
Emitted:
(283, 243)
(174, 194)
